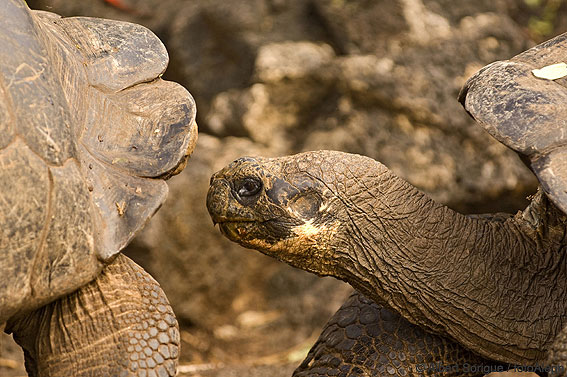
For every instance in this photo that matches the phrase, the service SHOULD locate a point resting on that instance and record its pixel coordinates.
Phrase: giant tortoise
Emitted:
(88, 134)
(494, 284)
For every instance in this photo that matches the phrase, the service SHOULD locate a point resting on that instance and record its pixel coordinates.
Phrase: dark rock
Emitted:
(398, 107)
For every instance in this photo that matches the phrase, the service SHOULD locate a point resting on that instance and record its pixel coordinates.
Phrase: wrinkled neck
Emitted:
(490, 285)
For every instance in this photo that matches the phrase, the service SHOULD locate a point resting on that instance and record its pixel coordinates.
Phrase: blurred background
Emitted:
(275, 77)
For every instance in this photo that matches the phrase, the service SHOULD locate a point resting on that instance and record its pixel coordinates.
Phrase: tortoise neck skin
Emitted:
(490, 284)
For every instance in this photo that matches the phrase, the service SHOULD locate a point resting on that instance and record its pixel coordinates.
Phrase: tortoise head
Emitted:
(279, 206)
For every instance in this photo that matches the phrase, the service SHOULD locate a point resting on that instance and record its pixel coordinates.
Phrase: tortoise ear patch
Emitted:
(306, 205)
(281, 192)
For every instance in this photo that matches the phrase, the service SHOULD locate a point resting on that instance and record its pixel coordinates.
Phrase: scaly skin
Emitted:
(497, 287)
(120, 324)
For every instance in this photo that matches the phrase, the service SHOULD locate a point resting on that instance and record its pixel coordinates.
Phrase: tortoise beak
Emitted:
(218, 197)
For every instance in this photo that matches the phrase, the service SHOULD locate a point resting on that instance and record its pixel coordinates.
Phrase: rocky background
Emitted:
(274, 77)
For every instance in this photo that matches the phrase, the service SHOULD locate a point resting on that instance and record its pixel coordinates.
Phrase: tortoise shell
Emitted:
(88, 133)
(527, 111)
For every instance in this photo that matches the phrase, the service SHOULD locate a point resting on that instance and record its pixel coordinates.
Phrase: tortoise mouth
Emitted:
(237, 230)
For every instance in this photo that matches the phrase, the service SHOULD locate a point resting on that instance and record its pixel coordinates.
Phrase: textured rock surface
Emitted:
(399, 109)
(373, 77)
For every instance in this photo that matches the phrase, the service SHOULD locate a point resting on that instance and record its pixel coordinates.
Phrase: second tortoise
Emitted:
(495, 285)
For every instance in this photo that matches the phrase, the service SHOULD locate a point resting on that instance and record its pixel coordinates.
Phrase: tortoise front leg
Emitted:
(121, 324)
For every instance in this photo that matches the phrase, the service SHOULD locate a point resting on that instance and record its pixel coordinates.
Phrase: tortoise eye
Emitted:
(248, 187)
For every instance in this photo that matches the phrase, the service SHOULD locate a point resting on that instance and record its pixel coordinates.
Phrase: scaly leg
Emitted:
(121, 324)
